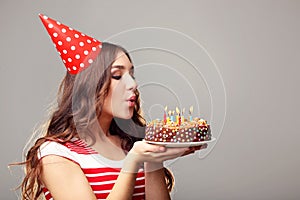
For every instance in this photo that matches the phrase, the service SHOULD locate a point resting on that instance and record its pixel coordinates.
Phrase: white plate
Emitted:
(181, 144)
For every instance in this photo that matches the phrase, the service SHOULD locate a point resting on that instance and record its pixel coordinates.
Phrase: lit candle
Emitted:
(168, 119)
(172, 116)
(177, 116)
(191, 112)
(165, 115)
(182, 116)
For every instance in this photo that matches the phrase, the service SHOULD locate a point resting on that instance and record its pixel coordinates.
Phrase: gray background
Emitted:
(255, 45)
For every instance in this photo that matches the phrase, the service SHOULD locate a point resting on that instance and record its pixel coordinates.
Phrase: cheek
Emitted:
(117, 92)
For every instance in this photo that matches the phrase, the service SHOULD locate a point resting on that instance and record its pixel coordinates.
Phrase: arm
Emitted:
(155, 181)
(153, 157)
(124, 186)
(155, 178)
(65, 179)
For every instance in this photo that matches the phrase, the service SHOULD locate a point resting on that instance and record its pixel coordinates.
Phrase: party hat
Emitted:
(77, 50)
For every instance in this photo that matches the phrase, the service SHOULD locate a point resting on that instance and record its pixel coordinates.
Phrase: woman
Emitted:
(92, 146)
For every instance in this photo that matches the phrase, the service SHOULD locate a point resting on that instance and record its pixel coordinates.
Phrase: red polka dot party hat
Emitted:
(77, 50)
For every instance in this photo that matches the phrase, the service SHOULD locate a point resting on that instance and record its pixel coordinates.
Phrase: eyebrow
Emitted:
(121, 67)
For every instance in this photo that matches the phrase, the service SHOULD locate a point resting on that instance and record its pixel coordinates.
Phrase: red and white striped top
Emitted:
(100, 172)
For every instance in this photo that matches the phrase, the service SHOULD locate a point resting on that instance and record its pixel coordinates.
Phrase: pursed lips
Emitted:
(132, 98)
(131, 101)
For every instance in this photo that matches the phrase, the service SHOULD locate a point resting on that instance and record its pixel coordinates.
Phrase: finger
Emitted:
(144, 147)
(204, 146)
(176, 152)
(188, 152)
(154, 148)
(195, 148)
(170, 152)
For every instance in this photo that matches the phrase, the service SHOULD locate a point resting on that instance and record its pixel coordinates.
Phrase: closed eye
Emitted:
(116, 77)
(118, 72)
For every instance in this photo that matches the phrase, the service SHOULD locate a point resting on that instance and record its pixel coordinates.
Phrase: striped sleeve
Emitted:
(54, 148)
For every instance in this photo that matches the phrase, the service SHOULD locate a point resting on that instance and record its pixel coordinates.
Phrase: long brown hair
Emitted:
(79, 104)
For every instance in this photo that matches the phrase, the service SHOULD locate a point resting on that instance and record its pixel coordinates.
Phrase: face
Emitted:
(121, 98)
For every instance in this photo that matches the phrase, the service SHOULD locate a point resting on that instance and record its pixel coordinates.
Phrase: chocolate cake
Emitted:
(193, 130)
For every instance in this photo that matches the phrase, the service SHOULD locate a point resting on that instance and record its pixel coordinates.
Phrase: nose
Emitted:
(130, 82)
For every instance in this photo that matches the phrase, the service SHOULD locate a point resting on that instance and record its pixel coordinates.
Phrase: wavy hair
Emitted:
(79, 103)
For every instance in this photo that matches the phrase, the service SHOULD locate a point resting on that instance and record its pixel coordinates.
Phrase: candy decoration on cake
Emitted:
(77, 50)
(179, 131)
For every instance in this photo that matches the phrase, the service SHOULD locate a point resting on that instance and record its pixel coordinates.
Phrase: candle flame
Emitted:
(166, 108)
(191, 110)
(177, 110)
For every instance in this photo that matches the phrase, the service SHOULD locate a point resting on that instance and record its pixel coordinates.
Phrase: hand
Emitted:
(149, 153)
(151, 166)
(195, 148)
(145, 152)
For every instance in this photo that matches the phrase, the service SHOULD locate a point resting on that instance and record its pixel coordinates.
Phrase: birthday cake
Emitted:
(178, 130)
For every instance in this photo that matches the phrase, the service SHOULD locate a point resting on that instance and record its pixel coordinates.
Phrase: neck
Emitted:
(104, 122)
(105, 141)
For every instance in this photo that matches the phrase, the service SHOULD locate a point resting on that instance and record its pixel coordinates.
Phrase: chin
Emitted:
(129, 116)
(125, 115)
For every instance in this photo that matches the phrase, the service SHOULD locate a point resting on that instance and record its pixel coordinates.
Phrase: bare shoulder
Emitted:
(65, 179)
